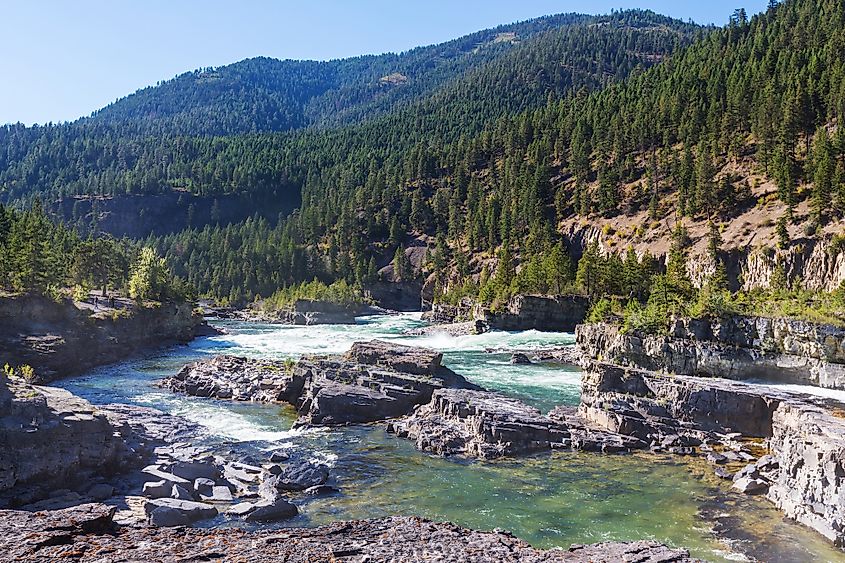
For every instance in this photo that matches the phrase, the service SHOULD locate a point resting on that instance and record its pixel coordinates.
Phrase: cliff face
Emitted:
(59, 340)
(50, 439)
(734, 348)
(750, 260)
(531, 312)
(560, 313)
(138, 216)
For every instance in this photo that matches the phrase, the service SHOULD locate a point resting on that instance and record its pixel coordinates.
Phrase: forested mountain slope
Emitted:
(264, 94)
(154, 142)
(630, 135)
(735, 135)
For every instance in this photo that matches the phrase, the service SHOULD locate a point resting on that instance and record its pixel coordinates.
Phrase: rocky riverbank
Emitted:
(803, 437)
(735, 347)
(88, 533)
(57, 449)
(61, 339)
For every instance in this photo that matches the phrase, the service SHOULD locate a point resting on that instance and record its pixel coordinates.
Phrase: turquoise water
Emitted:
(550, 500)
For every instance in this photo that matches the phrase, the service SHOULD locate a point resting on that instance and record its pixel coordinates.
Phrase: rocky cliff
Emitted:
(553, 313)
(736, 347)
(804, 473)
(60, 339)
(50, 439)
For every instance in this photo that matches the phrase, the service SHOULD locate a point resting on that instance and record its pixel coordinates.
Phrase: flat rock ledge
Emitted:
(87, 533)
(374, 381)
(487, 425)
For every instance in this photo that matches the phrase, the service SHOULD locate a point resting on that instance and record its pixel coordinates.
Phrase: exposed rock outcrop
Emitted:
(50, 439)
(735, 348)
(808, 478)
(487, 425)
(532, 312)
(87, 533)
(374, 381)
(234, 377)
(60, 340)
(804, 475)
(560, 313)
(307, 312)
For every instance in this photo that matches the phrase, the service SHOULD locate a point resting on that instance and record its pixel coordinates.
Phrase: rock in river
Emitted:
(487, 425)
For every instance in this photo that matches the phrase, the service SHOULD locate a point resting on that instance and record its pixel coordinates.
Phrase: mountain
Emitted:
(159, 139)
(487, 173)
(730, 144)
(264, 94)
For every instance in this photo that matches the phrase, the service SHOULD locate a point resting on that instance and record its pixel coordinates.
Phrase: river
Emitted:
(550, 500)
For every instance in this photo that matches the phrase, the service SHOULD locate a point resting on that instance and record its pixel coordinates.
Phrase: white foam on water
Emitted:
(217, 419)
(282, 341)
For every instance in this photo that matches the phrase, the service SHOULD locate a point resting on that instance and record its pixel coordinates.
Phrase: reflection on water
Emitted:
(549, 500)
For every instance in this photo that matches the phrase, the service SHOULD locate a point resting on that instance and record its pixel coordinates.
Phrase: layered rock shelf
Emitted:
(233, 377)
(61, 340)
(804, 472)
(487, 425)
(561, 313)
(57, 449)
(734, 348)
(374, 381)
(306, 312)
(88, 533)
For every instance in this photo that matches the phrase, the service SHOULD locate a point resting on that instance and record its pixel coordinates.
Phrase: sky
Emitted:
(64, 59)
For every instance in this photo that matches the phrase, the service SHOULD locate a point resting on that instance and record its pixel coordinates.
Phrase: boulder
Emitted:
(218, 494)
(271, 511)
(240, 509)
(751, 486)
(169, 478)
(279, 456)
(165, 516)
(157, 489)
(204, 486)
(320, 490)
(180, 493)
(519, 358)
(101, 492)
(192, 470)
(298, 476)
(192, 511)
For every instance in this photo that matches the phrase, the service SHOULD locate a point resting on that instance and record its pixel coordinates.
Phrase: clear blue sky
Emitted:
(64, 59)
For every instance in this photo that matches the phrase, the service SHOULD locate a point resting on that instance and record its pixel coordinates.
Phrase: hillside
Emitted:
(717, 149)
(758, 160)
(154, 141)
(264, 94)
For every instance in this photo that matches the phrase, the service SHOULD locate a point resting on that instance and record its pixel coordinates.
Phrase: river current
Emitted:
(549, 500)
